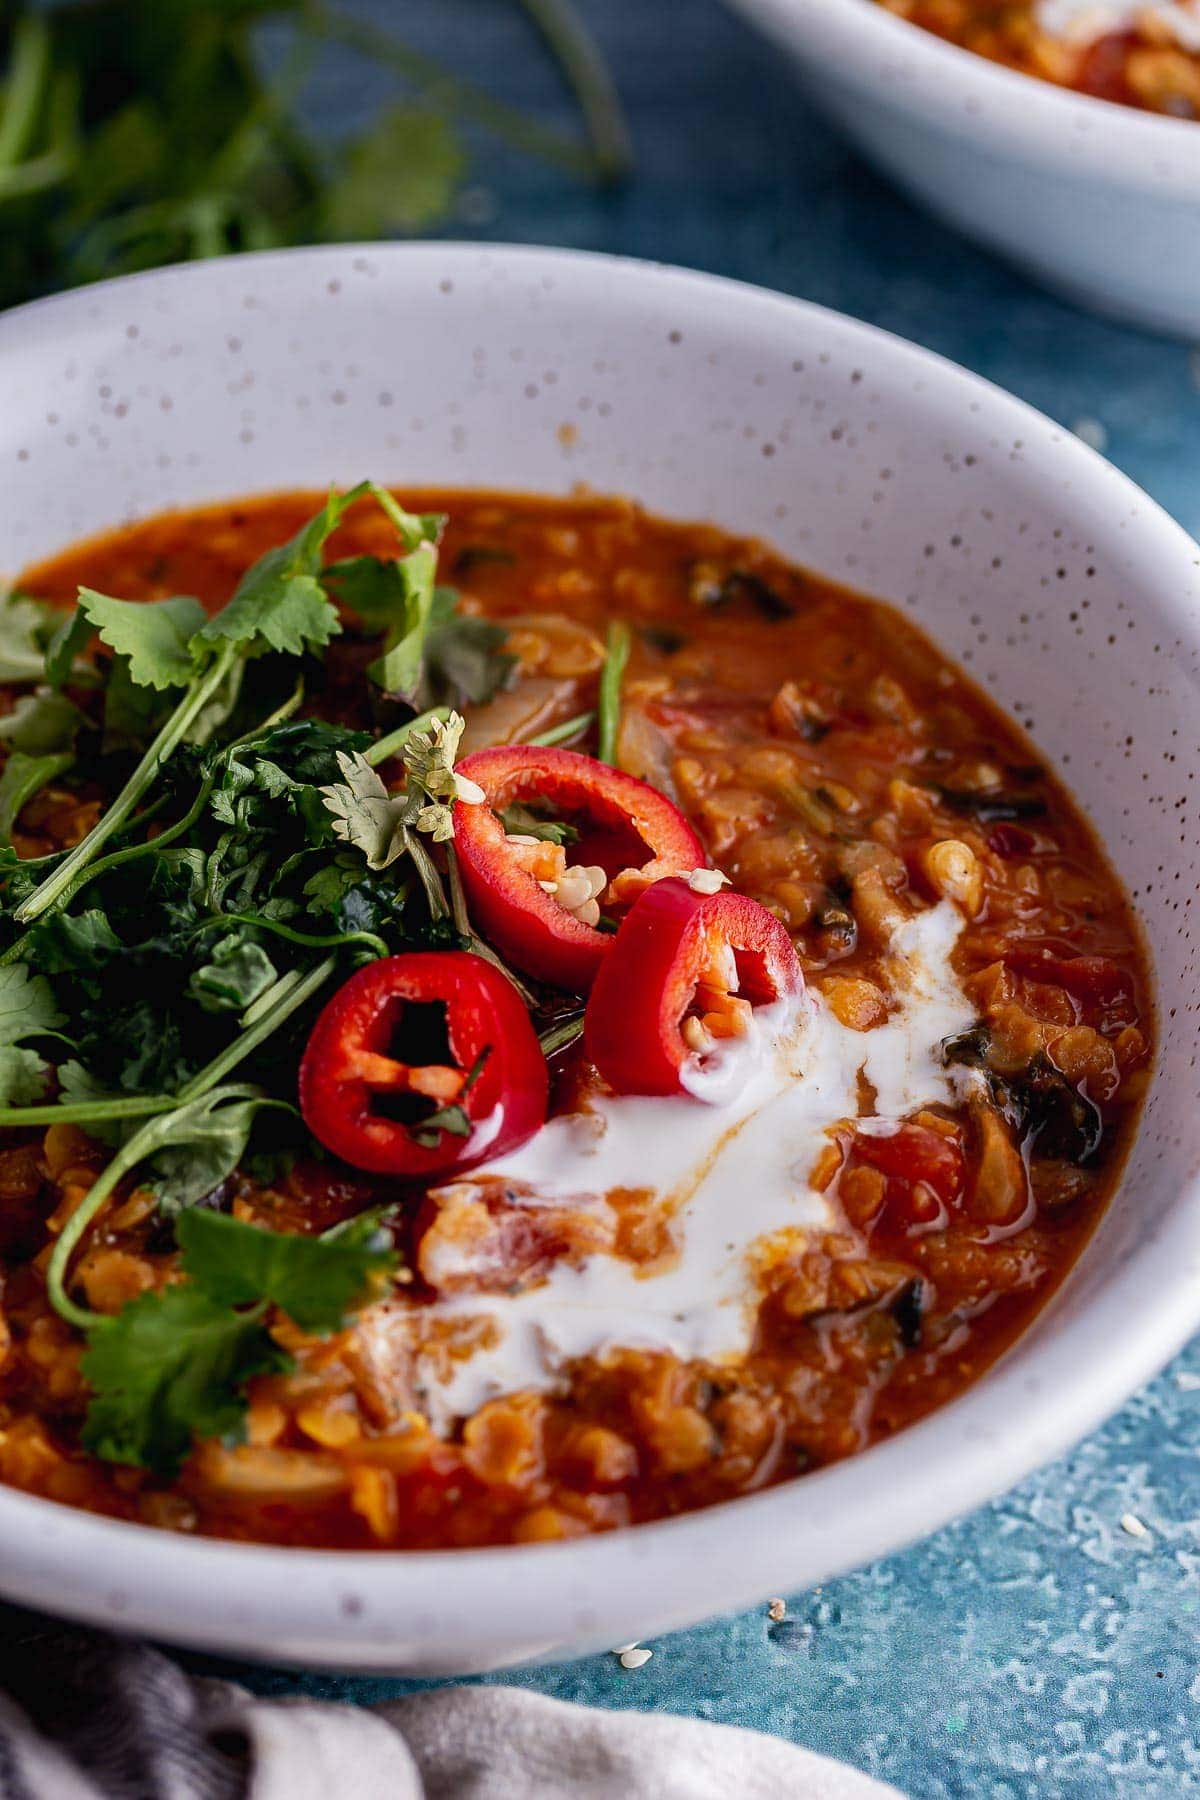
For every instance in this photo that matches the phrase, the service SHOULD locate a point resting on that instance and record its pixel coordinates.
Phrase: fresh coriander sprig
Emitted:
(172, 734)
(279, 604)
(172, 1366)
(123, 145)
(224, 1114)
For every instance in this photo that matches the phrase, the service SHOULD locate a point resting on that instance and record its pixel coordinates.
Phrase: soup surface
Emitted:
(1138, 55)
(807, 1196)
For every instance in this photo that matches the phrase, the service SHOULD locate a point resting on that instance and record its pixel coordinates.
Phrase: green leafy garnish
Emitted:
(239, 972)
(133, 134)
(27, 1010)
(154, 637)
(167, 1369)
(42, 723)
(364, 814)
(26, 627)
(316, 1281)
(280, 605)
(453, 1118)
(173, 1366)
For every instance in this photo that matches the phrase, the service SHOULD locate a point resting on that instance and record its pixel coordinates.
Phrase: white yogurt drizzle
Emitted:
(734, 1155)
(1082, 22)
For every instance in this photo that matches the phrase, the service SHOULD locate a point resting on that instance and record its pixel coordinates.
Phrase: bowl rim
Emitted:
(1002, 107)
(1036, 1402)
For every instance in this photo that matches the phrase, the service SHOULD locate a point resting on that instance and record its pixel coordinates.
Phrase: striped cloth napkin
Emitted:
(85, 1716)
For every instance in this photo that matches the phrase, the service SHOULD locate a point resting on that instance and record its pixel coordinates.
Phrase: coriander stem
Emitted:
(458, 899)
(117, 858)
(557, 1037)
(559, 734)
(449, 92)
(294, 997)
(608, 705)
(590, 80)
(73, 1230)
(386, 747)
(462, 924)
(86, 1112)
(55, 886)
(143, 1142)
(26, 84)
(431, 880)
(329, 942)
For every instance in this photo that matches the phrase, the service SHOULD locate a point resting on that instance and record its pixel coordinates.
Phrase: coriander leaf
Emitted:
(132, 714)
(307, 748)
(280, 602)
(401, 176)
(68, 641)
(273, 780)
(190, 1151)
(183, 1173)
(454, 1118)
(397, 670)
(26, 626)
(316, 1281)
(237, 974)
(23, 777)
(42, 723)
(27, 1007)
(78, 1087)
(432, 786)
(364, 813)
(168, 1368)
(465, 660)
(375, 590)
(24, 1077)
(79, 944)
(152, 636)
(326, 890)
(518, 821)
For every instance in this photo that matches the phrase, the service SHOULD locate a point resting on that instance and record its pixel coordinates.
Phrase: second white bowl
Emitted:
(1101, 202)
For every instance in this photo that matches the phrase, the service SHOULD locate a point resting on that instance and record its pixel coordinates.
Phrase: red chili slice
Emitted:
(421, 1064)
(713, 956)
(630, 833)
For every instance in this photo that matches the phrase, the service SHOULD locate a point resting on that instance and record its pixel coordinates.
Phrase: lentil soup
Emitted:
(807, 1070)
(1146, 56)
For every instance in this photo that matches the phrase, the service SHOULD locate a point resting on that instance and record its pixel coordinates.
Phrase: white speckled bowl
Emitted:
(1097, 200)
(1068, 594)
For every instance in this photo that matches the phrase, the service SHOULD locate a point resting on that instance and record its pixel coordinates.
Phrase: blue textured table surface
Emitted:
(1036, 1648)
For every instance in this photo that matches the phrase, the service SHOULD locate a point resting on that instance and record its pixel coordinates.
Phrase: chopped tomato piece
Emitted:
(541, 914)
(923, 1170)
(422, 1064)
(1095, 979)
(685, 970)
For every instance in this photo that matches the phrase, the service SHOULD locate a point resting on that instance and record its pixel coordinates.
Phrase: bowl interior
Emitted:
(1056, 583)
